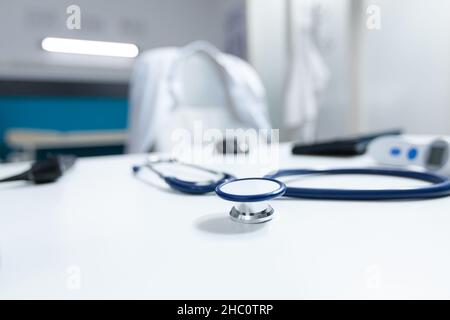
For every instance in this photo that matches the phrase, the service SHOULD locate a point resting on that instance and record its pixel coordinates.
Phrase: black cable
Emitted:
(19, 177)
(45, 171)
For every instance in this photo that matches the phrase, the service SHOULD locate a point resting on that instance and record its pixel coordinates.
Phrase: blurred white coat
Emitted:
(307, 74)
(158, 97)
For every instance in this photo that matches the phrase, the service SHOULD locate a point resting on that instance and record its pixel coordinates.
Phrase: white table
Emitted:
(100, 233)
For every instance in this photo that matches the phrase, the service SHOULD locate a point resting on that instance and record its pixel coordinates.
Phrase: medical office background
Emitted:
(396, 75)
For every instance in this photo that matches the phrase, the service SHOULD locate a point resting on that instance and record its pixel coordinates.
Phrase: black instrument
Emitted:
(341, 147)
(45, 171)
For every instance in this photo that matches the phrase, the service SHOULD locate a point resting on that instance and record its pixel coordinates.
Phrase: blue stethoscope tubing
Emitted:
(280, 191)
(440, 186)
(193, 187)
(184, 186)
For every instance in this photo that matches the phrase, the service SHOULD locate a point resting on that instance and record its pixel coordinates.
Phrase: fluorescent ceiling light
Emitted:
(97, 48)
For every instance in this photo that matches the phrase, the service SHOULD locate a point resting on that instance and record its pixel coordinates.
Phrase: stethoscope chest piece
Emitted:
(247, 213)
(250, 197)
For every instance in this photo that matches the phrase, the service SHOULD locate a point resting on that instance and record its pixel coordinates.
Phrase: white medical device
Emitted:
(428, 153)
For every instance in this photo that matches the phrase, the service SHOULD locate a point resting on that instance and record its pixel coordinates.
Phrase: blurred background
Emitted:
(366, 65)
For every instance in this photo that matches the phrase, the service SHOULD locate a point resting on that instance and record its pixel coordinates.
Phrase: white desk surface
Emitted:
(100, 233)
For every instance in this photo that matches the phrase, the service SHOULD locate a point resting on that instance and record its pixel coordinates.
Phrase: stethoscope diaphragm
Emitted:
(250, 196)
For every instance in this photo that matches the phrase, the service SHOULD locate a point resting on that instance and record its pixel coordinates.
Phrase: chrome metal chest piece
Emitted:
(251, 198)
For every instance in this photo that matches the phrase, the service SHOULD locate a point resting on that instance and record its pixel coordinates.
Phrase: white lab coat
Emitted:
(155, 91)
(308, 76)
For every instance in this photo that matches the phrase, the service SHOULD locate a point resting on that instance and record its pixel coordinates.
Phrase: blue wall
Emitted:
(61, 113)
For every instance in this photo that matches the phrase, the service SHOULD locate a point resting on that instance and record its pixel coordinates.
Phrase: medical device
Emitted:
(233, 145)
(352, 146)
(45, 171)
(440, 185)
(251, 195)
(428, 153)
(184, 186)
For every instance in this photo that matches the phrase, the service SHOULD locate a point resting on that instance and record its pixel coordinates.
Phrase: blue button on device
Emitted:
(412, 153)
(395, 151)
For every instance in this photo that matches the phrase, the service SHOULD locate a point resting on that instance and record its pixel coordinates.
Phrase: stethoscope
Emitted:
(184, 186)
(251, 195)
